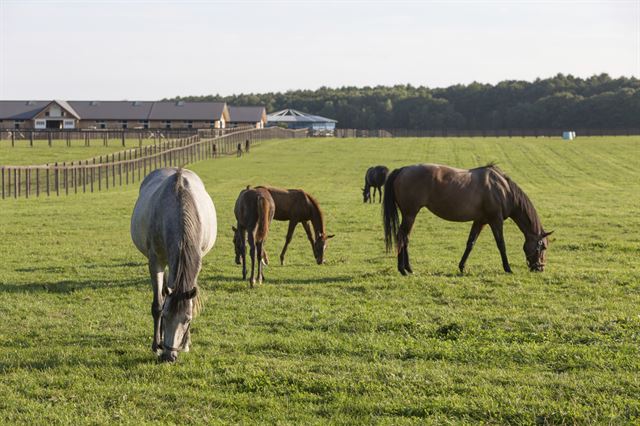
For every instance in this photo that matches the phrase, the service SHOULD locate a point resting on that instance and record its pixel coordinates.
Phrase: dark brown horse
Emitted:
(375, 177)
(297, 206)
(484, 195)
(254, 211)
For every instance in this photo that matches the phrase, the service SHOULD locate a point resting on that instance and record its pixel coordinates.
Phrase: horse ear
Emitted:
(330, 236)
(233, 228)
(546, 234)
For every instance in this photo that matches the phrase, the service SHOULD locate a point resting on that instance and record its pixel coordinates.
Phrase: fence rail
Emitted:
(510, 133)
(103, 173)
(107, 136)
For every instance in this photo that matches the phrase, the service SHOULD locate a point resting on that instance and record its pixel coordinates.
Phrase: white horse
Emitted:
(173, 224)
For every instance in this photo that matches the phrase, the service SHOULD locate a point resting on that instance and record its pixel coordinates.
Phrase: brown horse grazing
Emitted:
(297, 206)
(484, 195)
(375, 177)
(254, 211)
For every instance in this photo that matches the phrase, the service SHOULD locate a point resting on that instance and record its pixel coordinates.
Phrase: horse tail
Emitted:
(263, 218)
(390, 217)
(188, 261)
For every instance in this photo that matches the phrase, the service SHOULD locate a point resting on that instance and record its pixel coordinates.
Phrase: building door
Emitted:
(54, 124)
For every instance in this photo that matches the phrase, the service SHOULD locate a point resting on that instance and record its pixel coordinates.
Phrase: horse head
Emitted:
(366, 195)
(177, 314)
(319, 247)
(535, 247)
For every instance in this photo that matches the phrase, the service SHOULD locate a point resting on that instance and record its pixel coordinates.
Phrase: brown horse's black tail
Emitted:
(390, 217)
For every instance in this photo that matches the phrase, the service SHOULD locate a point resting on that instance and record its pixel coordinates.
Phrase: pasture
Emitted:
(351, 341)
(40, 153)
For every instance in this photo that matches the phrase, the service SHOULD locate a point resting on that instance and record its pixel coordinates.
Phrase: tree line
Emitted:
(559, 102)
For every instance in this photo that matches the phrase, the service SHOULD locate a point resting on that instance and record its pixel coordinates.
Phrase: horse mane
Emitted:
(521, 202)
(316, 213)
(189, 259)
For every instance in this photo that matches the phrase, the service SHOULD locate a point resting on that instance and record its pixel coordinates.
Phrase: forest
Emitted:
(559, 102)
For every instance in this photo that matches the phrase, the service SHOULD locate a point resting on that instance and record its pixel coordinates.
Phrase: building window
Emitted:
(166, 124)
(189, 124)
(101, 124)
(123, 124)
(46, 113)
(144, 123)
(212, 124)
(17, 123)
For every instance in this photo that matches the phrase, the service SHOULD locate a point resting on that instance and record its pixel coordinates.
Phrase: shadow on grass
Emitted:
(212, 279)
(70, 286)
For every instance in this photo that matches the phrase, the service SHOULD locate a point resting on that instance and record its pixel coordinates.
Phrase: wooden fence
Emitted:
(508, 133)
(123, 168)
(107, 136)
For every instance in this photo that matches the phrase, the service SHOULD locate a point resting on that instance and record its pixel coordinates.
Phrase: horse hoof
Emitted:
(402, 271)
(408, 269)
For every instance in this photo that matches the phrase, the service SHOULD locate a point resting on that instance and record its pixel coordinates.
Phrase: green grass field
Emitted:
(40, 153)
(350, 341)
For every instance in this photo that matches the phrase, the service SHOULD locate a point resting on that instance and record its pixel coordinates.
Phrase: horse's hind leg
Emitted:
(476, 228)
(157, 281)
(496, 227)
(380, 194)
(252, 245)
(403, 243)
(259, 250)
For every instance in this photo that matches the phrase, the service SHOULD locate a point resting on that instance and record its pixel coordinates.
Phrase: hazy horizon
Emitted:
(150, 50)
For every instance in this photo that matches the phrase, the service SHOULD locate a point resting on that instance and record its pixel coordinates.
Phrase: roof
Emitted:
(21, 110)
(112, 110)
(294, 116)
(181, 110)
(119, 110)
(65, 105)
(246, 114)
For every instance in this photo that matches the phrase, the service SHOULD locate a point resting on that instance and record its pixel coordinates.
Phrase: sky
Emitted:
(148, 50)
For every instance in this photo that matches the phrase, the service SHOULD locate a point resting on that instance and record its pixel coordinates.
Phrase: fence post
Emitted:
(57, 176)
(123, 144)
(37, 182)
(49, 136)
(31, 138)
(92, 171)
(48, 183)
(66, 180)
(16, 182)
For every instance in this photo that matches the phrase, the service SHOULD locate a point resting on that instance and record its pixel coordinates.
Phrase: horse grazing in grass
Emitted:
(254, 211)
(375, 177)
(297, 206)
(173, 224)
(484, 195)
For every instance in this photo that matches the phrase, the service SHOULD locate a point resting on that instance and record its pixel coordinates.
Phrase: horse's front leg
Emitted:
(476, 228)
(243, 234)
(292, 227)
(496, 228)
(157, 281)
(380, 194)
(307, 229)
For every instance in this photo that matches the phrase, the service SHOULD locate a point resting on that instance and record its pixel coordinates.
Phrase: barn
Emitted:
(240, 116)
(59, 114)
(294, 119)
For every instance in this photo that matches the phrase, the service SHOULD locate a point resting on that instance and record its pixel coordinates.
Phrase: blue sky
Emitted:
(141, 49)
